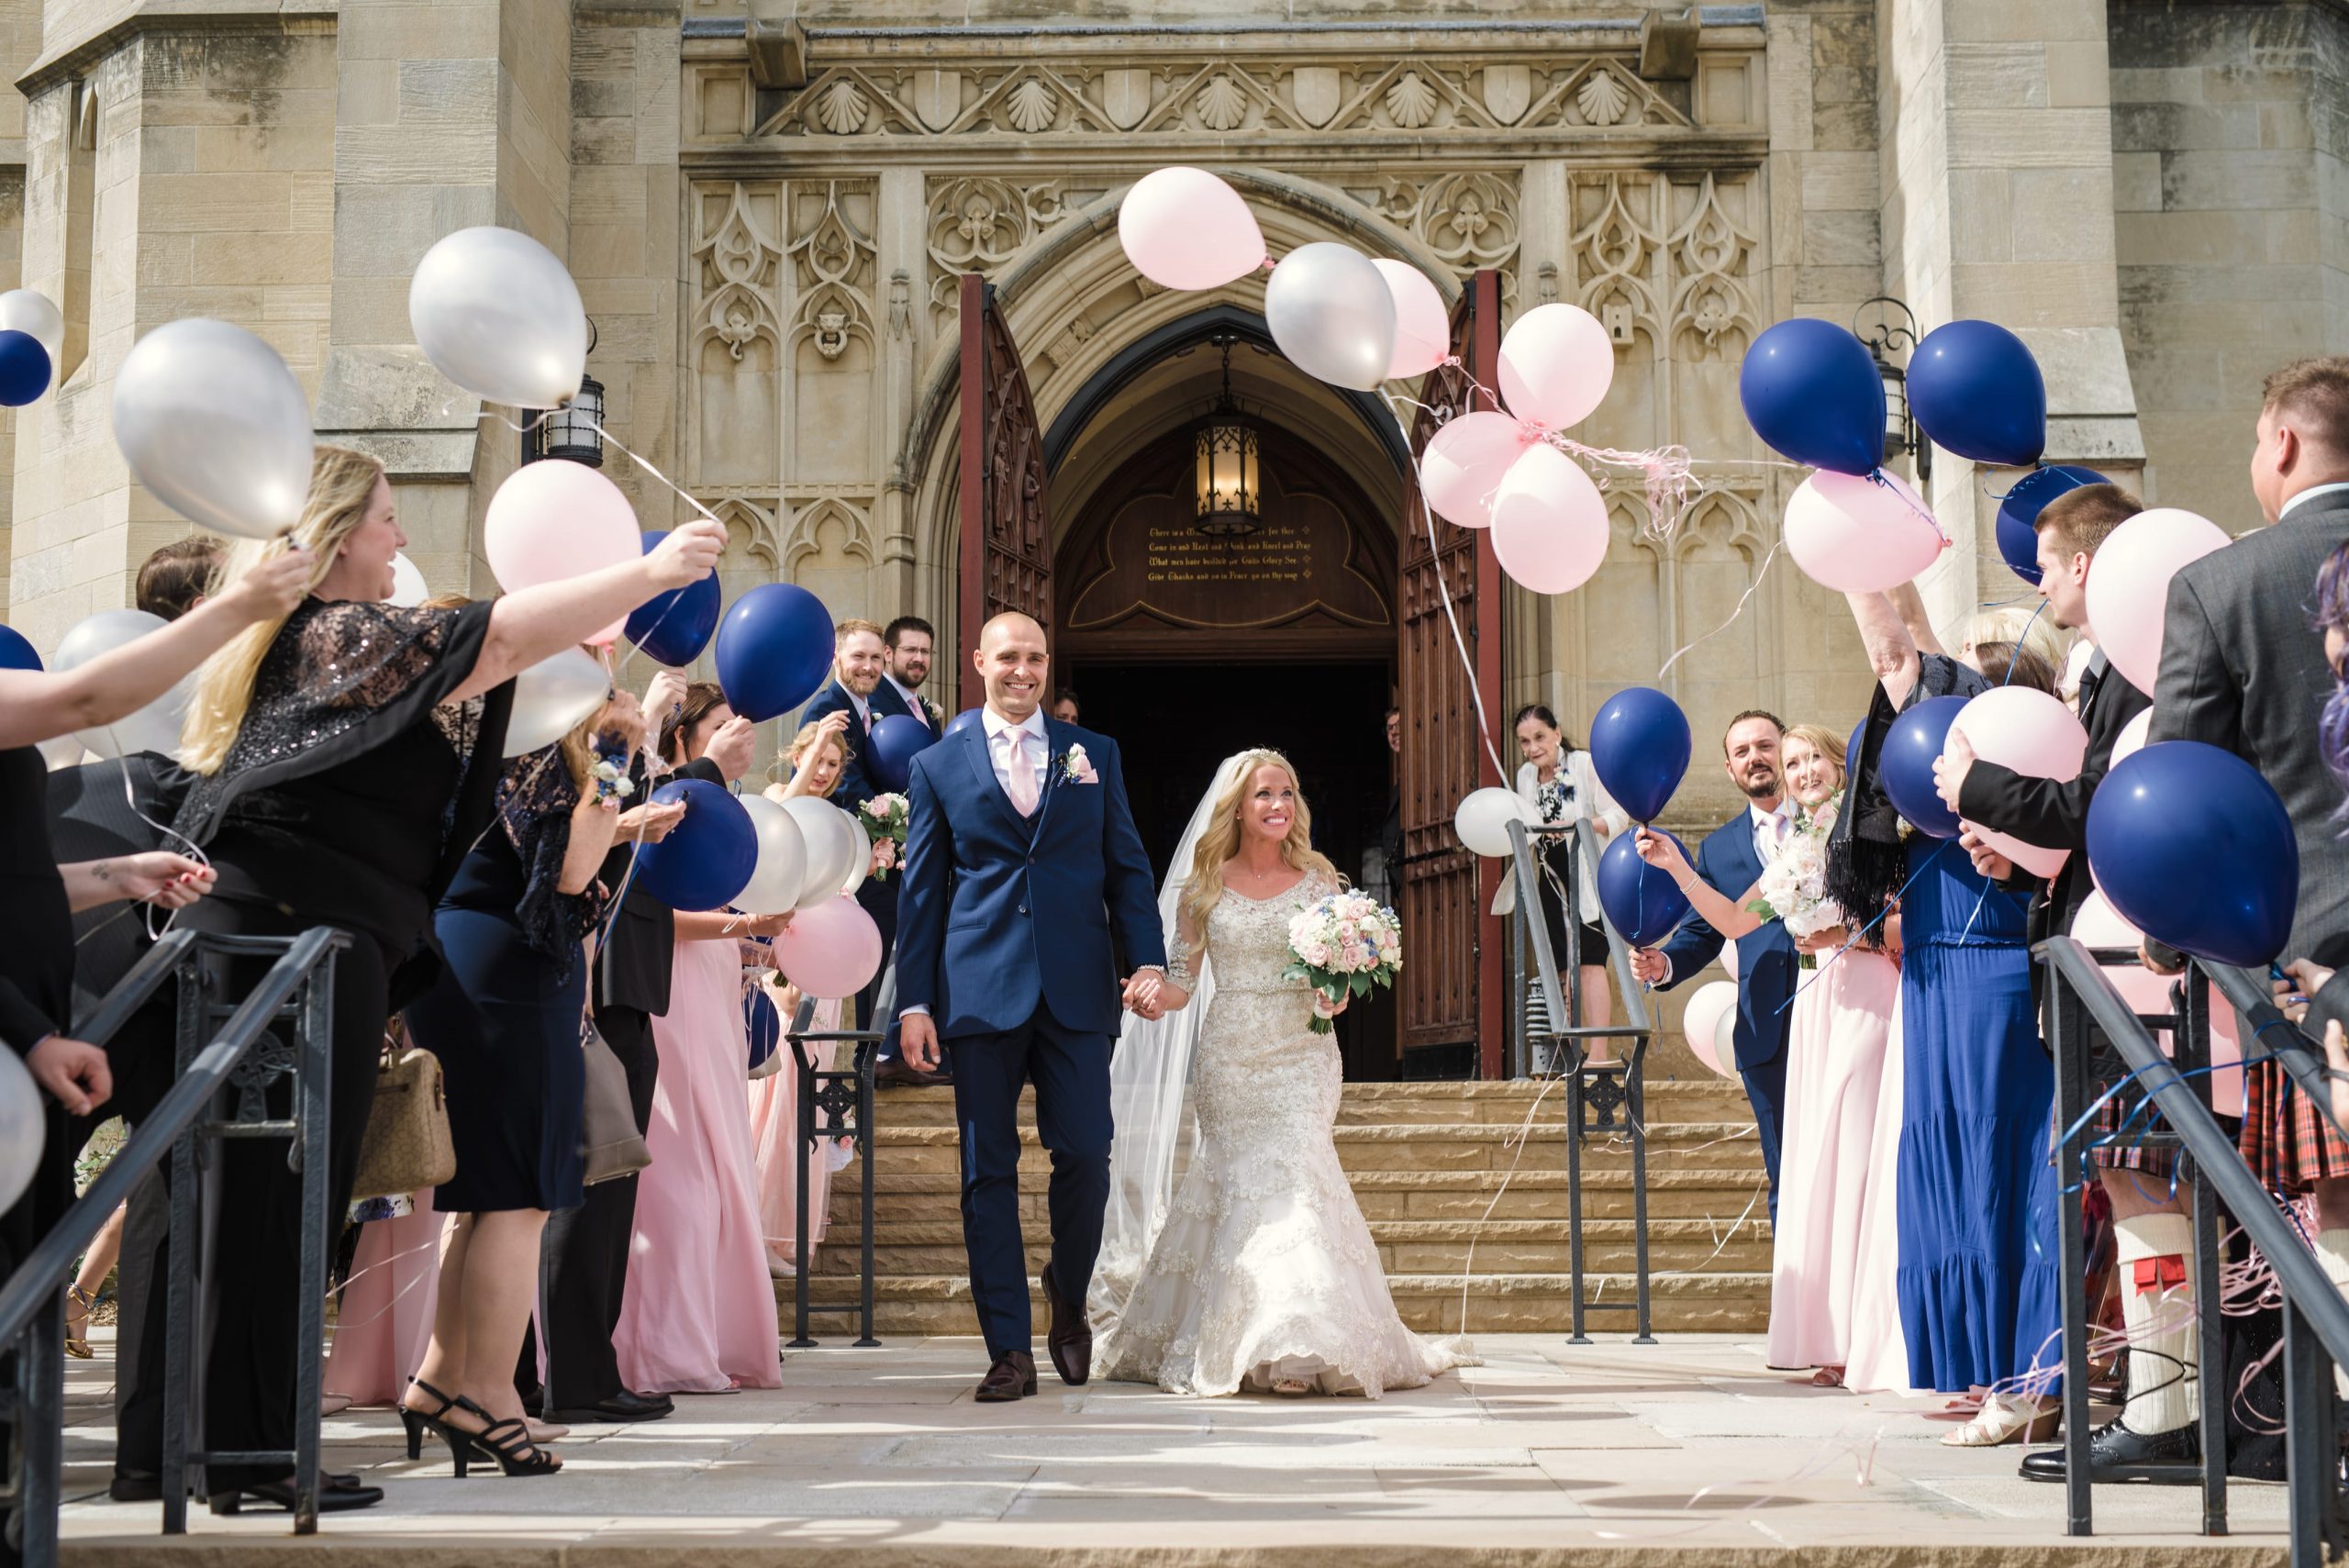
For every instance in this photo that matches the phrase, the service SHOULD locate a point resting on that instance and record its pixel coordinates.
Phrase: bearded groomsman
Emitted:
(861, 685)
(907, 646)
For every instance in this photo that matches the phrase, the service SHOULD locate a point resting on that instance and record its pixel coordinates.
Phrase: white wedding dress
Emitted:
(1264, 1269)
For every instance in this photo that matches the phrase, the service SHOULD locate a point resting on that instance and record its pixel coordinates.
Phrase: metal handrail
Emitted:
(31, 1302)
(858, 1127)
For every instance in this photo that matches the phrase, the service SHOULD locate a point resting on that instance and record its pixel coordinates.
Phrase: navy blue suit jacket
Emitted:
(998, 912)
(856, 785)
(1766, 973)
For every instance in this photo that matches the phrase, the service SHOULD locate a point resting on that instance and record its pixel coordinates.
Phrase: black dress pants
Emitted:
(582, 1260)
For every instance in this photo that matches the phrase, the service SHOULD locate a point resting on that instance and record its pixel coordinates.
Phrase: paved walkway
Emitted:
(1611, 1452)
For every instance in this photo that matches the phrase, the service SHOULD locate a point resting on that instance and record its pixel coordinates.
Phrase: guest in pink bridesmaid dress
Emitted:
(699, 1316)
(385, 1319)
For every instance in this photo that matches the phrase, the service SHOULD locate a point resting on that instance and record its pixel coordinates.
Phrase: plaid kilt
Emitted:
(2287, 1144)
(2127, 1152)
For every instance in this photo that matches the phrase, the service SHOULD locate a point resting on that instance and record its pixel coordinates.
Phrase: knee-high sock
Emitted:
(2332, 1251)
(2157, 1304)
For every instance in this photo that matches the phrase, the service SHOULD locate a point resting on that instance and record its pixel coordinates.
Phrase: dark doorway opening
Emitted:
(1173, 722)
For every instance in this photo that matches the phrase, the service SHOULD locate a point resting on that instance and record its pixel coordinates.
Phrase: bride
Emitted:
(1260, 1271)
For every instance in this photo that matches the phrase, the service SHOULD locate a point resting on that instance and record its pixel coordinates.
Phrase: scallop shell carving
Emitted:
(1221, 105)
(842, 108)
(1033, 106)
(1602, 98)
(1411, 101)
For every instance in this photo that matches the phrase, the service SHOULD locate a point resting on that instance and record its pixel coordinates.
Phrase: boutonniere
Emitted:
(1075, 767)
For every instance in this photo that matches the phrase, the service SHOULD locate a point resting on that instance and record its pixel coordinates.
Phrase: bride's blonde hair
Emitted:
(1220, 838)
(341, 483)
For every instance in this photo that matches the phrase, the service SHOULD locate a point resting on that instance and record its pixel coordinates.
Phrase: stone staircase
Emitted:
(1426, 1161)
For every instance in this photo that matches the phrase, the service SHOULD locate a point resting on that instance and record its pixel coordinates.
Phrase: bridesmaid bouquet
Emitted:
(884, 824)
(1343, 946)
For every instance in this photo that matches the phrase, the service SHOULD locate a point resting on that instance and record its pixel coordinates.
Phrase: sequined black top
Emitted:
(349, 793)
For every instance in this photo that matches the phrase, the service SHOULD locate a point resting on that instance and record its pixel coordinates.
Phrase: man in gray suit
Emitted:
(2243, 667)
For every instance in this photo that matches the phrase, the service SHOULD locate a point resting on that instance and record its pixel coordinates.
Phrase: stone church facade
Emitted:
(769, 210)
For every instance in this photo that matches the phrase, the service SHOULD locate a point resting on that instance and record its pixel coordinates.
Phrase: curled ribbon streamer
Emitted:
(1750, 589)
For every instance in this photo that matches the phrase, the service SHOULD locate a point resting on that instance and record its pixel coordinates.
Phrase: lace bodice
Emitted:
(1247, 939)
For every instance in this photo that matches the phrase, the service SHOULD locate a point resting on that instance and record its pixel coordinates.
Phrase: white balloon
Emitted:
(1709, 1024)
(156, 726)
(1332, 314)
(497, 314)
(409, 587)
(23, 1126)
(1483, 817)
(860, 852)
(781, 865)
(212, 421)
(1422, 325)
(552, 697)
(28, 310)
(1729, 960)
(827, 845)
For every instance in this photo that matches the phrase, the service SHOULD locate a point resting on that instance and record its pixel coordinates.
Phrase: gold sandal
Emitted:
(76, 1296)
(2003, 1421)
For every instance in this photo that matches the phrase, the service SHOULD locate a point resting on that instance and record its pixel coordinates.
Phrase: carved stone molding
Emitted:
(1669, 257)
(737, 260)
(834, 262)
(749, 528)
(976, 224)
(854, 540)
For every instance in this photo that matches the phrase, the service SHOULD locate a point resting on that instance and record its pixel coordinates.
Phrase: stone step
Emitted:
(1707, 1302)
(1673, 1193)
(1404, 1246)
(1410, 1147)
(1501, 1103)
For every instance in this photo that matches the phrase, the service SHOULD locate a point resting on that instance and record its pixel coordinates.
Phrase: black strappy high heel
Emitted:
(416, 1422)
(516, 1454)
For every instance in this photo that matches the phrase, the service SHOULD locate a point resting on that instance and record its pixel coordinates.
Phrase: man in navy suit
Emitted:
(860, 686)
(1024, 880)
(1730, 858)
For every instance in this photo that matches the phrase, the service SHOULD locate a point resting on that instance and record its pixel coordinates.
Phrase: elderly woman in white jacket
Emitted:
(1559, 783)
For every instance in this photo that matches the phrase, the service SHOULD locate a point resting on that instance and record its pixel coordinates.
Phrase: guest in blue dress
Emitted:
(1976, 1277)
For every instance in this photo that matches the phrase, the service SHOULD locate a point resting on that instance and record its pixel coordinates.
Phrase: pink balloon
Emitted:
(1187, 230)
(553, 520)
(2099, 925)
(2128, 586)
(1422, 326)
(1710, 1022)
(2131, 739)
(1556, 364)
(1549, 523)
(1465, 461)
(1855, 536)
(830, 951)
(2035, 735)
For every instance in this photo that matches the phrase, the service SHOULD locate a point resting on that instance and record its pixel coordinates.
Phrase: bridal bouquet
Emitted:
(1793, 888)
(884, 824)
(1341, 945)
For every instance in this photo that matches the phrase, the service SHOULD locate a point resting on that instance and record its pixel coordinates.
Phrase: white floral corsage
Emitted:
(612, 784)
(1077, 767)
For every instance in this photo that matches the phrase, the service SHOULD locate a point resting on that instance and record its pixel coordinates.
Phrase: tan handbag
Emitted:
(406, 1146)
(611, 1143)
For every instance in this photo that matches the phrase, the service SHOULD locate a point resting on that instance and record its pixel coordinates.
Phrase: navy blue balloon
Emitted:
(1812, 393)
(1852, 747)
(2194, 847)
(675, 627)
(1976, 390)
(963, 720)
(15, 653)
(24, 368)
(1640, 745)
(2018, 543)
(1910, 747)
(774, 648)
(890, 749)
(706, 860)
(1642, 902)
(762, 1023)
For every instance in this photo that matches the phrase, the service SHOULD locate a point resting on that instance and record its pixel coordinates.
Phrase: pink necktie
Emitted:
(1019, 778)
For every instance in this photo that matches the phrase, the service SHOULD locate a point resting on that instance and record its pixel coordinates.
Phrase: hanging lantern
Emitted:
(1229, 496)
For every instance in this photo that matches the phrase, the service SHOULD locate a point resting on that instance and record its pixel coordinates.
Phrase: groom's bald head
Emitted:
(1012, 661)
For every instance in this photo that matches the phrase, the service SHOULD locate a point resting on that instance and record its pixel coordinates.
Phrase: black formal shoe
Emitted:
(1068, 1335)
(1012, 1376)
(145, 1486)
(897, 1072)
(338, 1492)
(625, 1406)
(2116, 1453)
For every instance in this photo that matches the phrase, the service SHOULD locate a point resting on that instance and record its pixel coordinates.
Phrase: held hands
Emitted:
(1952, 766)
(1144, 994)
(74, 1073)
(650, 823)
(272, 589)
(688, 555)
(731, 747)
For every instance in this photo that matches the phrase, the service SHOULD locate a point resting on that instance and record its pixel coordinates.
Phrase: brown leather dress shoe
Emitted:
(1012, 1376)
(898, 1071)
(1068, 1335)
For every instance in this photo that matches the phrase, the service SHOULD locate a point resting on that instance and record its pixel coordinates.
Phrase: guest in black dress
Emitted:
(345, 763)
(503, 1016)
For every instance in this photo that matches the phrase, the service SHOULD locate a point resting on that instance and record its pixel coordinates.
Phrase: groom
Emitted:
(1022, 866)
